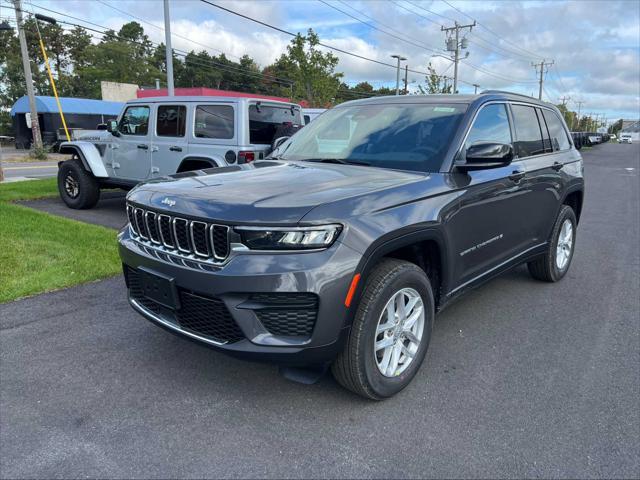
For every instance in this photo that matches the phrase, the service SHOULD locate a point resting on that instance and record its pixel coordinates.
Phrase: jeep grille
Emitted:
(179, 236)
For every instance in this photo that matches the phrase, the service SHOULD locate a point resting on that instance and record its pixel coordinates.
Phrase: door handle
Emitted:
(517, 175)
(557, 166)
(175, 149)
(143, 146)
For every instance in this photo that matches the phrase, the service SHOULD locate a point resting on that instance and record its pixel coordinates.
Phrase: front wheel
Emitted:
(390, 333)
(78, 188)
(555, 262)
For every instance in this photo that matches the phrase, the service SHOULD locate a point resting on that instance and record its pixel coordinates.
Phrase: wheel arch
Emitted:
(574, 198)
(88, 155)
(198, 162)
(425, 248)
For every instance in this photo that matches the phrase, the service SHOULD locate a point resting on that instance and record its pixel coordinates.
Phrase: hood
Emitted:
(270, 192)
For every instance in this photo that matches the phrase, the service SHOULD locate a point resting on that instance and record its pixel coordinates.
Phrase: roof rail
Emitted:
(504, 92)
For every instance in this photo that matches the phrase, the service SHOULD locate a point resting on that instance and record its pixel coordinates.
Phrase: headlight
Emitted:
(288, 238)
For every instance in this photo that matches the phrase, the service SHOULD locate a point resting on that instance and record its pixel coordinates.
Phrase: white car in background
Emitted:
(309, 114)
(625, 138)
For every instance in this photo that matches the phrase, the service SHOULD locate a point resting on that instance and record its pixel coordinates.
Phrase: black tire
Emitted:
(87, 189)
(545, 268)
(355, 368)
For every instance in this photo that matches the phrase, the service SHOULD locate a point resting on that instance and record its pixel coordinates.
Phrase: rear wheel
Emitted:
(390, 333)
(78, 188)
(554, 264)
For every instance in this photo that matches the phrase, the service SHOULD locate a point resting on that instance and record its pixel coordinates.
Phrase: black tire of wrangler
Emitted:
(89, 188)
(544, 268)
(354, 368)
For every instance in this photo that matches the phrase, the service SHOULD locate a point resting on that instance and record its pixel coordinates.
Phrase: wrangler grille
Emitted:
(180, 236)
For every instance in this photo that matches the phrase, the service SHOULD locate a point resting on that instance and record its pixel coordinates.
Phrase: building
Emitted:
(79, 113)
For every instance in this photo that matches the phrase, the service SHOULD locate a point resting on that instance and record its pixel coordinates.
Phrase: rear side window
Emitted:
(134, 121)
(490, 126)
(214, 121)
(558, 134)
(528, 135)
(171, 120)
(264, 121)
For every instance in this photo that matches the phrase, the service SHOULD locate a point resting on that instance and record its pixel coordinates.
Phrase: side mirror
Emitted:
(112, 127)
(487, 155)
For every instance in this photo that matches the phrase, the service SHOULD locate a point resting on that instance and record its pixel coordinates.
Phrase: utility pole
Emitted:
(168, 49)
(578, 117)
(406, 75)
(399, 58)
(564, 99)
(454, 44)
(475, 88)
(26, 65)
(542, 64)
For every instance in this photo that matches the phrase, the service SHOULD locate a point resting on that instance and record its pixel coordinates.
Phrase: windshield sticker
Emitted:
(444, 109)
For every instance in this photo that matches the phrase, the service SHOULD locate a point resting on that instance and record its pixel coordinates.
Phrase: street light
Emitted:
(400, 58)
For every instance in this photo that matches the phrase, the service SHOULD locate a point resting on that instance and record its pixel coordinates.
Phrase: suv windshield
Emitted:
(399, 136)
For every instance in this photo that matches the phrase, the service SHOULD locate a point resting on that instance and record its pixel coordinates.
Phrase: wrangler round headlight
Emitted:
(288, 238)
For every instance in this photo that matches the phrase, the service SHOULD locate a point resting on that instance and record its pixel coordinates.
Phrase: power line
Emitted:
(173, 34)
(177, 51)
(209, 65)
(493, 32)
(376, 28)
(330, 47)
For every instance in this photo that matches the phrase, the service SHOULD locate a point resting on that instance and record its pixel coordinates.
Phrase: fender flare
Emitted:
(572, 189)
(215, 163)
(391, 242)
(88, 154)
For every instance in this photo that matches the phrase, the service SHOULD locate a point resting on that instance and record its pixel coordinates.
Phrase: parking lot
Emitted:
(522, 379)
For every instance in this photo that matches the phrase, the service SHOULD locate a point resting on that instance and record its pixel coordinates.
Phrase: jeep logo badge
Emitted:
(168, 201)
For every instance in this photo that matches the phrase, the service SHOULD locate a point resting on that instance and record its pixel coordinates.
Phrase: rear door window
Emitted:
(546, 141)
(559, 138)
(171, 120)
(264, 121)
(214, 121)
(490, 126)
(134, 121)
(528, 134)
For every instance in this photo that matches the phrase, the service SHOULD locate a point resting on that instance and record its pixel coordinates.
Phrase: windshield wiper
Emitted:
(335, 160)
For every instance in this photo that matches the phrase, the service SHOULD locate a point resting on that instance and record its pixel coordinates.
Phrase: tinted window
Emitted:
(135, 121)
(557, 132)
(405, 137)
(491, 125)
(214, 121)
(528, 136)
(171, 120)
(264, 120)
(546, 141)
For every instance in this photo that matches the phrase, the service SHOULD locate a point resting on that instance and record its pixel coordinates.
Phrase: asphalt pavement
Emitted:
(109, 212)
(522, 379)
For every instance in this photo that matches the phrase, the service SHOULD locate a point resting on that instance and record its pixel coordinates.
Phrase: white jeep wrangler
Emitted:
(154, 137)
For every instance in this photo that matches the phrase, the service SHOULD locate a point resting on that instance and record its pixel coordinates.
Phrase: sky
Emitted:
(595, 46)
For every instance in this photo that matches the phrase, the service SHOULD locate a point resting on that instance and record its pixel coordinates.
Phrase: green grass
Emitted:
(42, 252)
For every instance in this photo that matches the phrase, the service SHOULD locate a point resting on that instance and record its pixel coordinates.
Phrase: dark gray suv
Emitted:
(340, 248)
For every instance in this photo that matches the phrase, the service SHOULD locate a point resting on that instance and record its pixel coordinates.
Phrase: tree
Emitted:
(616, 127)
(433, 83)
(312, 71)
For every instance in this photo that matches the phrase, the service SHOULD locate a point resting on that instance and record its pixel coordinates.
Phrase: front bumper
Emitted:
(234, 290)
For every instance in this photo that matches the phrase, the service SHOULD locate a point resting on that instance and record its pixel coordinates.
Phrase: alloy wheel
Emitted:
(565, 244)
(399, 332)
